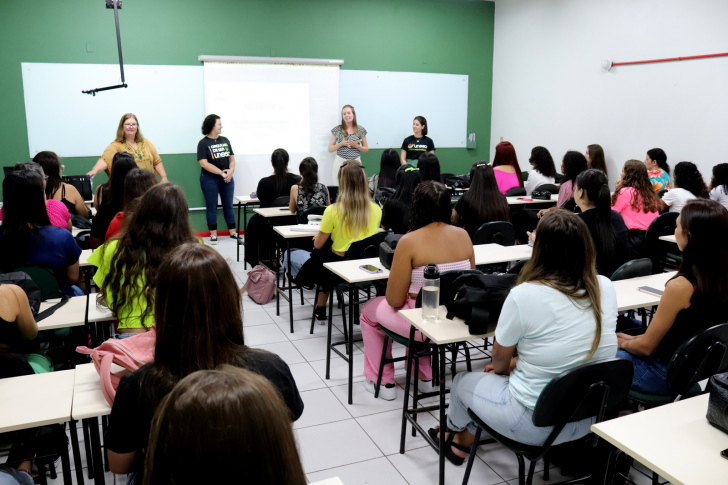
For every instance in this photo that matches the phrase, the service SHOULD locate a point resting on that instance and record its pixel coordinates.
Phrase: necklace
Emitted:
(138, 151)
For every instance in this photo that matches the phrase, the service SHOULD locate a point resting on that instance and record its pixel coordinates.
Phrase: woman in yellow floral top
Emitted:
(658, 169)
(129, 139)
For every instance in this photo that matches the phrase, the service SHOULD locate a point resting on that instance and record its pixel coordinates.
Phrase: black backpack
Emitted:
(386, 249)
(26, 283)
(478, 299)
(458, 181)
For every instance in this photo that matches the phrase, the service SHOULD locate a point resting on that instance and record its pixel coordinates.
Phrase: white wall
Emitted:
(549, 88)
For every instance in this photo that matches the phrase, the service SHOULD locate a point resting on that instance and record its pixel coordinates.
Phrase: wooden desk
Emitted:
(273, 212)
(83, 259)
(671, 238)
(73, 313)
(244, 201)
(674, 440)
(525, 199)
(629, 298)
(350, 271)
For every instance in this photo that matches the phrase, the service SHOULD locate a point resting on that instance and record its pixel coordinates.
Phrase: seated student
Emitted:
(279, 184)
(253, 432)
(123, 163)
(128, 265)
(482, 203)
(58, 214)
(543, 171)
(136, 184)
(199, 325)
(17, 325)
(719, 184)
(560, 315)
(27, 237)
(658, 169)
(595, 158)
(432, 240)
(429, 167)
(695, 299)
(309, 192)
(688, 185)
(635, 199)
(388, 165)
(396, 210)
(572, 165)
(507, 171)
(56, 188)
(605, 225)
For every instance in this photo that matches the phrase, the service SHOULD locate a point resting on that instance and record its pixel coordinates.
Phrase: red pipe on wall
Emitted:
(670, 59)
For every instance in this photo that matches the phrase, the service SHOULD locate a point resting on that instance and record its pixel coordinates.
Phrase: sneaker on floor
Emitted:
(321, 316)
(213, 240)
(238, 237)
(386, 393)
(425, 386)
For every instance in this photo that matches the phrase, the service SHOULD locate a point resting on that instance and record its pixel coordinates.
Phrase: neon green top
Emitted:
(341, 239)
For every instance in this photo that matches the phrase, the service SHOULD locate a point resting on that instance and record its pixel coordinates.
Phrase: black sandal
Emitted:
(449, 445)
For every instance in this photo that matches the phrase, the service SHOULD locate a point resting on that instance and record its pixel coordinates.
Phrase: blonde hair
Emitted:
(343, 123)
(353, 200)
(120, 137)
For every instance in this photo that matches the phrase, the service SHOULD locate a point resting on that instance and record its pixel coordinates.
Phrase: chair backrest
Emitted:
(82, 184)
(663, 225)
(633, 269)
(446, 278)
(281, 201)
(516, 192)
(584, 391)
(366, 248)
(497, 232)
(558, 178)
(444, 176)
(333, 193)
(702, 356)
(7, 171)
(550, 187)
(517, 267)
(45, 279)
(303, 216)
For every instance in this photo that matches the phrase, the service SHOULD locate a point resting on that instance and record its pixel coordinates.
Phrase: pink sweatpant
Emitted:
(377, 312)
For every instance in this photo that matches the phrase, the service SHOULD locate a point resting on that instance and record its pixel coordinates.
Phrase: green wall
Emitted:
(438, 36)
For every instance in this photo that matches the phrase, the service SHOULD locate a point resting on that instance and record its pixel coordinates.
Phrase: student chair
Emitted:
(498, 232)
(516, 192)
(445, 176)
(303, 216)
(517, 267)
(45, 279)
(633, 269)
(550, 187)
(582, 392)
(333, 193)
(662, 251)
(281, 201)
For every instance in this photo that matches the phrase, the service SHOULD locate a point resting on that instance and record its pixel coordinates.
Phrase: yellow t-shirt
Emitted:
(130, 315)
(145, 155)
(341, 240)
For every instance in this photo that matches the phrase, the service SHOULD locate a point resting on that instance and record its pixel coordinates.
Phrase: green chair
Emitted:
(45, 279)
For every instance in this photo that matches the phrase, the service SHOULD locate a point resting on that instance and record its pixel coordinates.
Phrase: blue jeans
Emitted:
(650, 375)
(489, 396)
(298, 258)
(212, 185)
(11, 476)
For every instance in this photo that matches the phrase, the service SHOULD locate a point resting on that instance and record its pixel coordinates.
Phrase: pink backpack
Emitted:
(130, 353)
(261, 284)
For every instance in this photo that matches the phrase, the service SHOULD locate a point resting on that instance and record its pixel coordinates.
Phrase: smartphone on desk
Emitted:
(650, 291)
(370, 268)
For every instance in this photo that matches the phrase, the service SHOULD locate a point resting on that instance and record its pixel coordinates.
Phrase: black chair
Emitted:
(516, 192)
(498, 232)
(281, 201)
(303, 216)
(559, 178)
(550, 187)
(633, 269)
(8, 170)
(333, 193)
(657, 250)
(517, 267)
(445, 176)
(82, 184)
(579, 393)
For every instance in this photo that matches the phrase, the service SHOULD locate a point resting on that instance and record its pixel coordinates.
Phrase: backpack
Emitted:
(130, 353)
(386, 249)
(382, 194)
(26, 283)
(458, 181)
(478, 299)
(261, 284)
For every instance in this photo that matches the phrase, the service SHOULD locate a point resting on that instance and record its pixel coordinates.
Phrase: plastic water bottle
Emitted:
(431, 293)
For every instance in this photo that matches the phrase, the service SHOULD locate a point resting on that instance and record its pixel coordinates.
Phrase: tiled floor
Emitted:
(358, 443)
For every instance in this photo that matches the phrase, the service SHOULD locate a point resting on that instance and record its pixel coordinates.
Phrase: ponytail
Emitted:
(595, 185)
(279, 159)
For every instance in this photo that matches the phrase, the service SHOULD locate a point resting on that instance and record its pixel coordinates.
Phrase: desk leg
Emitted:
(290, 285)
(245, 230)
(407, 383)
(66, 465)
(87, 446)
(76, 451)
(350, 342)
(99, 478)
(443, 419)
(238, 229)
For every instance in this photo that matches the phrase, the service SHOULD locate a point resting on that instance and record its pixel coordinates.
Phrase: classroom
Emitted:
(522, 201)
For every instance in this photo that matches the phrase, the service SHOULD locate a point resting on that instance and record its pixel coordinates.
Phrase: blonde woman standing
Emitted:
(348, 140)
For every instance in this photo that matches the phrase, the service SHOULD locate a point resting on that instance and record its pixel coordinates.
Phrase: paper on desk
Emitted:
(305, 227)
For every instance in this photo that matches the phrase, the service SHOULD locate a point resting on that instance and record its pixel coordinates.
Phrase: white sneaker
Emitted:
(213, 240)
(386, 393)
(425, 386)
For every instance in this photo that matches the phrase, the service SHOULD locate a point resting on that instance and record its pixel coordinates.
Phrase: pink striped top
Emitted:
(418, 274)
(57, 213)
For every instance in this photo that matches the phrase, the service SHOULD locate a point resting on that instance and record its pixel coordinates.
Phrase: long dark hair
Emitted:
(564, 259)
(720, 177)
(596, 188)
(279, 160)
(136, 184)
(635, 176)
(159, 224)
(596, 155)
(24, 213)
(308, 168)
(704, 223)
(542, 161)
(388, 165)
(430, 203)
(51, 165)
(396, 209)
(687, 176)
(484, 197)
(505, 154)
(429, 167)
(658, 156)
(574, 163)
(229, 415)
(123, 164)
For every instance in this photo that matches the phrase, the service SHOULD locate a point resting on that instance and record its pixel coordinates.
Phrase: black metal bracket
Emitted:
(116, 5)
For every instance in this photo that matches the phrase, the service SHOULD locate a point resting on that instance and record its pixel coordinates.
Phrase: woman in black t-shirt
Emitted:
(199, 325)
(415, 145)
(217, 160)
(279, 184)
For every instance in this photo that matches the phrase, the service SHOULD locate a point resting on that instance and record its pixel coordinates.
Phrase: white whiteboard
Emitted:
(168, 100)
(387, 102)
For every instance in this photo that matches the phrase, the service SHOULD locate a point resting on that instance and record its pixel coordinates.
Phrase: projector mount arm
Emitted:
(116, 5)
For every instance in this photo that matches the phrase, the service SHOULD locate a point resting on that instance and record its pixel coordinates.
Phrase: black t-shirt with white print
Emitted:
(417, 146)
(217, 152)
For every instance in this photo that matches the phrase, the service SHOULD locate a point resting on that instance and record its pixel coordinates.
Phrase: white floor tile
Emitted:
(299, 312)
(335, 444)
(364, 403)
(302, 328)
(320, 407)
(340, 369)
(305, 377)
(503, 460)
(314, 349)
(284, 350)
(373, 472)
(384, 430)
(263, 334)
(421, 467)
(255, 317)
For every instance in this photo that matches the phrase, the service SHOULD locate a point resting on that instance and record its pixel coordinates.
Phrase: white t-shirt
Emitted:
(676, 198)
(535, 179)
(553, 334)
(719, 194)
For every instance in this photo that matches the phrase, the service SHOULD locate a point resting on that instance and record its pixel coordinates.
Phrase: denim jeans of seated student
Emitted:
(298, 258)
(489, 396)
(650, 374)
(11, 476)
(125, 335)
(212, 185)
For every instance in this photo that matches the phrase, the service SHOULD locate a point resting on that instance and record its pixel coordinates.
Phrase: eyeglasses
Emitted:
(130, 125)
